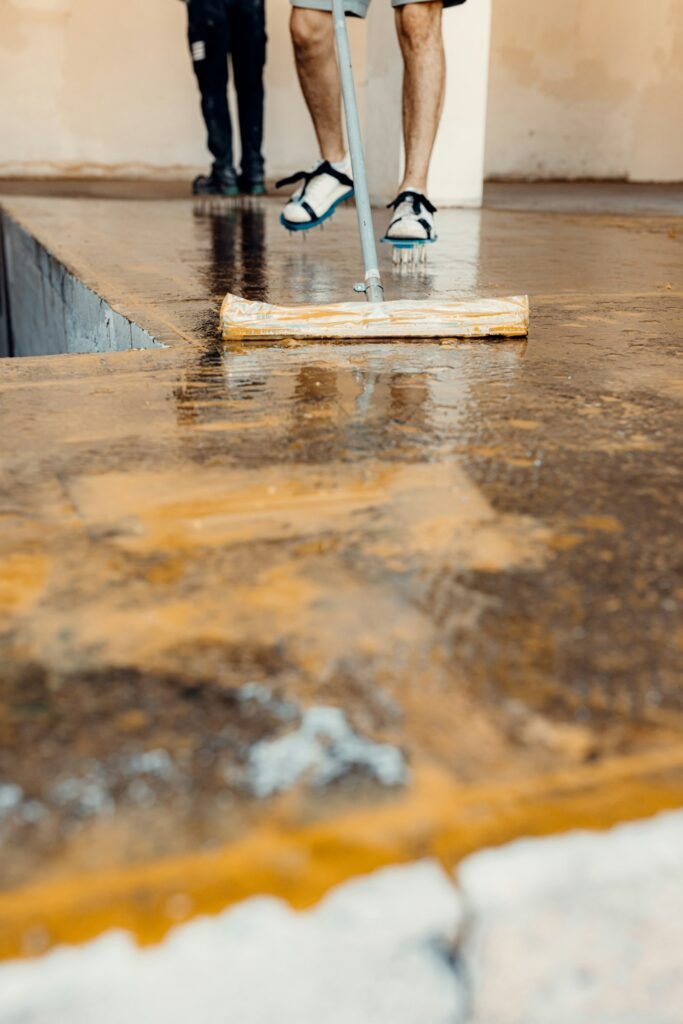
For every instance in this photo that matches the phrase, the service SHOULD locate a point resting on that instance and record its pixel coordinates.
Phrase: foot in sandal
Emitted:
(412, 222)
(323, 189)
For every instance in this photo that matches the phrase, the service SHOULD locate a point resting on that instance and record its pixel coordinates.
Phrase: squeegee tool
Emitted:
(244, 320)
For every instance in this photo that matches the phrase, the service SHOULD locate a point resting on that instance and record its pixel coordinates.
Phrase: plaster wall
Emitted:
(577, 89)
(585, 89)
(108, 87)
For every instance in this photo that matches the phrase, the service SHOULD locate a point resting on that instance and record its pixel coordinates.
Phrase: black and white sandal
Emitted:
(323, 189)
(413, 221)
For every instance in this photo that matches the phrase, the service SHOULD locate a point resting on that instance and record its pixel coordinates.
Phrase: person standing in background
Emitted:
(218, 29)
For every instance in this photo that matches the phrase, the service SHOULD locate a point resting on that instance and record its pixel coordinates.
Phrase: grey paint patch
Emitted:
(11, 797)
(94, 793)
(46, 310)
(151, 762)
(258, 694)
(83, 796)
(13, 804)
(321, 750)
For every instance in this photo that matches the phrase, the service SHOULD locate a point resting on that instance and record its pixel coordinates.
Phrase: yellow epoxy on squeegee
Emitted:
(474, 318)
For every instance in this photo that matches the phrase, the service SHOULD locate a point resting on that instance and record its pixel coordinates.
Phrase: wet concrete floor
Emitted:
(473, 550)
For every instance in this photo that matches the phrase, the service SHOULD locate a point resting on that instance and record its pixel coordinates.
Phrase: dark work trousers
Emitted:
(216, 29)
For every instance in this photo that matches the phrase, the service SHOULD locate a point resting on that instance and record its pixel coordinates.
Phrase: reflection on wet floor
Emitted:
(473, 550)
(377, 397)
(244, 259)
(239, 258)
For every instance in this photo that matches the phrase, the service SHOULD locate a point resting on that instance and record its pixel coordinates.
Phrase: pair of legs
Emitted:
(419, 34)
(217, 29)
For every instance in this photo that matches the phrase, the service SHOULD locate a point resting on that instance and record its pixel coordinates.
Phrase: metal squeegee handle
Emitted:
(373, 282)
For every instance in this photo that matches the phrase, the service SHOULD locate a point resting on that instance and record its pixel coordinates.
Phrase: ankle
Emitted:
(343, 165)
(336, 155)
(413, 185)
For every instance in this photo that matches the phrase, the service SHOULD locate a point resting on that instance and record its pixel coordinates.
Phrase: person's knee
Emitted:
(311, 30)
(419, 23)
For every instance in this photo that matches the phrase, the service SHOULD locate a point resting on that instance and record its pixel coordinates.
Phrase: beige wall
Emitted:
(578, 88)
(586, 88)
(90, 86)
(85, 83)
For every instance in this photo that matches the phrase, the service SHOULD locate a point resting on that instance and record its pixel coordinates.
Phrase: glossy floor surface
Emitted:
(473, 551)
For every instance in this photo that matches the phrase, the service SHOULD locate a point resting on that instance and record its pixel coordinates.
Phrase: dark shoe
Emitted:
(222, 183)
(252, 186)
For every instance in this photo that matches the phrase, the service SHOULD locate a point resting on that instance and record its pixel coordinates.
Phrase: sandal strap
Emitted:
(421, 220)
(417, 199)
(307, 176)
(308, 208)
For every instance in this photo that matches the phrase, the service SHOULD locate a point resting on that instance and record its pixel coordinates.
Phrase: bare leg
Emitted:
(316, 64)
(424, 79)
